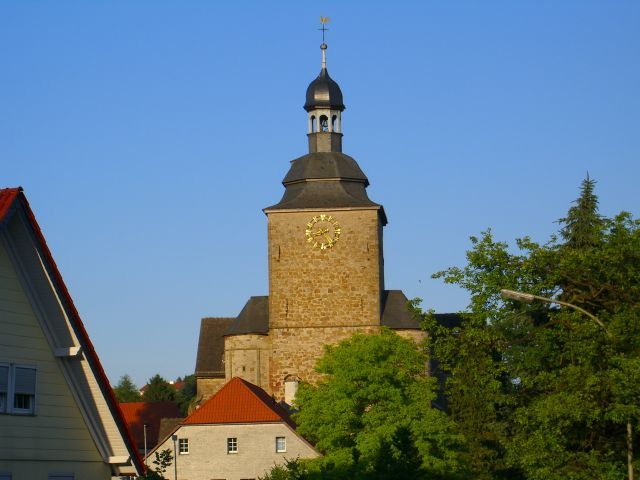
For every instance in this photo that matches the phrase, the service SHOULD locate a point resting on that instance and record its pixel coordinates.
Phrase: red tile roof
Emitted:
(10, 197)
(7, 196)
(137, 414)
(239, 402)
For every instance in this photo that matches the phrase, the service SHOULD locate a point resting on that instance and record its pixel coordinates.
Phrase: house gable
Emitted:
(71, 387)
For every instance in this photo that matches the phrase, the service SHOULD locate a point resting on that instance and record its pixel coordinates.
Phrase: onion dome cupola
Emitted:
(325, 178)
(324, 107)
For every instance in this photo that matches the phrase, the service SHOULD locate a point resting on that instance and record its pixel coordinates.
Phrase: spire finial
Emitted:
(323, 47)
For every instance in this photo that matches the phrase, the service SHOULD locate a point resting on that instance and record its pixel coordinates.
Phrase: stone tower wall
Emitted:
(247, 356)
(318, 297)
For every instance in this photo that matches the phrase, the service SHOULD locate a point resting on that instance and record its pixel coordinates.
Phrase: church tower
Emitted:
(326, 279)
(326, 268)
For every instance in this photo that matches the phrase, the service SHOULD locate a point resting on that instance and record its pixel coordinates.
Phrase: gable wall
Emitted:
(208, 458)
(57, 431)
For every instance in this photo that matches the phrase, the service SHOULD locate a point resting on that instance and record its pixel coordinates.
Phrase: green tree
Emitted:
(126, 391)
(293, 469)
(159, 390)
(371, 414)
(162, 461)
(186, 395)
(542, 392)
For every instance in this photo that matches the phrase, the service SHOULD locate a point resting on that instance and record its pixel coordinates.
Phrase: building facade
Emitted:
(58, 415)
(240, 433)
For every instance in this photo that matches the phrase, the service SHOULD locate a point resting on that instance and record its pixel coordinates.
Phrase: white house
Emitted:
(59, 418)
(238, 434)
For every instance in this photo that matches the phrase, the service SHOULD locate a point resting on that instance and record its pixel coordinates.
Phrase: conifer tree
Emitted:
(159, 390)
(542, 392)
(126, 390)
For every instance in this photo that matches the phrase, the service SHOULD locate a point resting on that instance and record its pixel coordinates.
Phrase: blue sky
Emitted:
(148, 136)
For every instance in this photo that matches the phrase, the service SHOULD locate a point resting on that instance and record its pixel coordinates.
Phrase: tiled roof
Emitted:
(397, 316)
(254, 318)
(7, 196)
(239, 402)
(211, 347)
(137, 414)
(14, 197)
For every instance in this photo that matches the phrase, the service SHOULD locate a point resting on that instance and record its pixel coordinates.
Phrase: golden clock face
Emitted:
(322, 231)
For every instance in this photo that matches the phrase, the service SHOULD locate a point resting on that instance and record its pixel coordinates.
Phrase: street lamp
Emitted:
(175, 457)
(528, 298)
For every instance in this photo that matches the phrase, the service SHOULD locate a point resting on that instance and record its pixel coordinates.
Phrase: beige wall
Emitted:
(41, 470)
(208, 387)
(248, 357)
(208, 458)
(56, 438)
(320, 296)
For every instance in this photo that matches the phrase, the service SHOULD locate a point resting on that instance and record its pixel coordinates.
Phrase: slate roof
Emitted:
(239, 402)
(397, 316)
(209, 360)
(137, 414)
(323, 91)
(254, 318)
(168, 426)
(325, 165)
(325, 180)
(10, 200)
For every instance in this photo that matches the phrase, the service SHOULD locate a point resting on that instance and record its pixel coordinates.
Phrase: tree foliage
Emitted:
(186, 395)
(371, 415)
(543, 392)
(126, 391)
(159, 390)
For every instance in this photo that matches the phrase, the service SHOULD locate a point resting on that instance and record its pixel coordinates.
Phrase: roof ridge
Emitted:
(239, 401)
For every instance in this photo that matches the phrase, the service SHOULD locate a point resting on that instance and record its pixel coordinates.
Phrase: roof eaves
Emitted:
(83, 336)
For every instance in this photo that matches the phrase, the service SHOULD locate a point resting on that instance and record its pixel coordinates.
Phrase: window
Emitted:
(281, 444)
(232, 445)
(183, 446)
(5, 476)
(17, 389)
(4, 387)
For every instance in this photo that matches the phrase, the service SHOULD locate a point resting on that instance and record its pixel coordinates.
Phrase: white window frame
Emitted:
(282, 449)
(183, 446)
(232, 445)
(9, 402)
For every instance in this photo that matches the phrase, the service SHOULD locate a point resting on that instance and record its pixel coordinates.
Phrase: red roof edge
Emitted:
(92, 356)
(7, 197)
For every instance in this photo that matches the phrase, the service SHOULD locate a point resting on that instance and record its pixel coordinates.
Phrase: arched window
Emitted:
(313, 124)
(324, 123)
(334, 123)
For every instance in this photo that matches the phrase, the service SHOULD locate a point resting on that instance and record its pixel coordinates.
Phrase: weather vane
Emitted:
(324, 21)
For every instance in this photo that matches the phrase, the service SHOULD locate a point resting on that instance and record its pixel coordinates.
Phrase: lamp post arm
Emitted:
(529, 297)
(575, 307)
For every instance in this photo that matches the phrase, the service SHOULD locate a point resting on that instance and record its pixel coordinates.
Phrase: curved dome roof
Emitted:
(324, 92)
